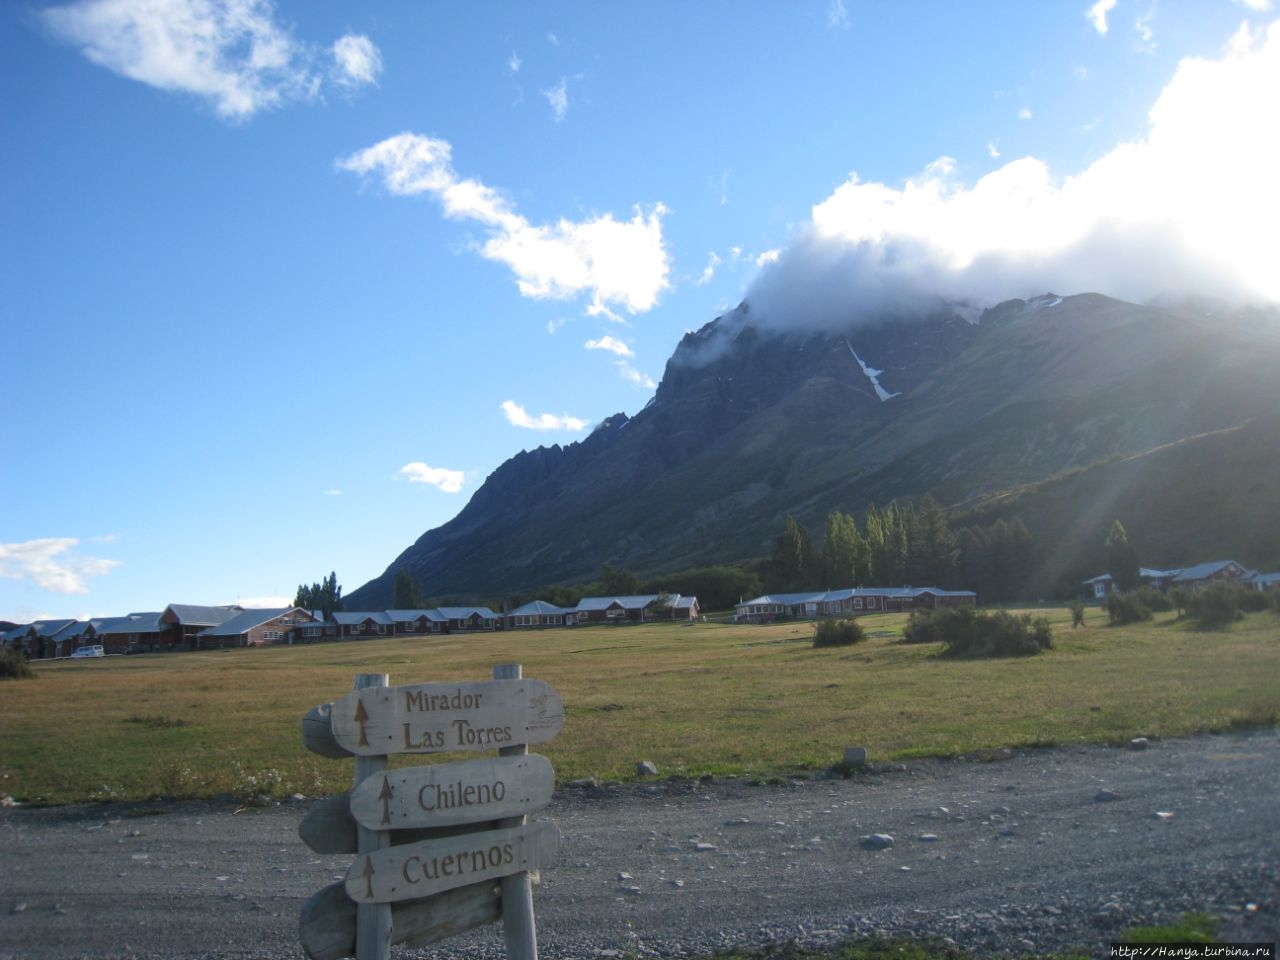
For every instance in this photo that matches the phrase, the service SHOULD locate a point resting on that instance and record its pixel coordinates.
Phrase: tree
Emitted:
(932, 552)
(792, 565)
(1122, 559)
(615, 582)
(406, 594)
(842, 549)
(325, 597)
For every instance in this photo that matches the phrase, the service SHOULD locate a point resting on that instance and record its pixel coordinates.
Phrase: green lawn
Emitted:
(694, 698)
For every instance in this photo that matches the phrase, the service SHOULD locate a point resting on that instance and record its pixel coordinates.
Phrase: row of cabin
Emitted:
(848, 602)
(1191, 578)
(192, 627)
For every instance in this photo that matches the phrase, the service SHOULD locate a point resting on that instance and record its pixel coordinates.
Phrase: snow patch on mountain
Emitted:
(872, 374)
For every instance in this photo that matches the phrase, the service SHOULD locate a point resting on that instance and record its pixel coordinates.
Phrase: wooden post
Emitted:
(517, 891)
(373, 920)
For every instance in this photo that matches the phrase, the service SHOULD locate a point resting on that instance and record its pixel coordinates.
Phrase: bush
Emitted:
(837, 633)
(1254, 601)
(1125, 608)
(966, 633)
(1077, 613)
(1153, 599)
(1217, 605)
(934, 626)
(14, 666)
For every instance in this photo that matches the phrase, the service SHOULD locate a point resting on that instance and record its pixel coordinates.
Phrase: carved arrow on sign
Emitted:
(417, 870)
(444, 717)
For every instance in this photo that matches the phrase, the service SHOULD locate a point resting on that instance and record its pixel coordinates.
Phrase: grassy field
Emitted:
(696, 698)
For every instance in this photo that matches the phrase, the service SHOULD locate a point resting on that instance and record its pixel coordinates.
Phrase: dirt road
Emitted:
(1032, 851)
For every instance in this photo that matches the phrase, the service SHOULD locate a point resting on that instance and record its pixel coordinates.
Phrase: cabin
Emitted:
(416, 623)
(255, 628)
(535, 615)
(1216, 571)
(135, 633)
(852, 601)
(360, 625)
(183, 623)
(469, 619)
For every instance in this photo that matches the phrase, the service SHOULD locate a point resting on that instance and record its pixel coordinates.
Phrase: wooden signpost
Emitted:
(439, 849)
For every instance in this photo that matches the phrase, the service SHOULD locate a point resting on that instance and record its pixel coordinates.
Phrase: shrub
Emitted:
(966, 633)
(837, 633)
(14, 666)
(1254, 601)
(934, 626)
(1153, 599)
(1217, 605)
(1077, 613)
(1125, 608)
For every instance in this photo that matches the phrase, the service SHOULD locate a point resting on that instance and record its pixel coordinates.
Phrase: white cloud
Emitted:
(623, 263)
(517, 417)
(993, 149)
(333, 493)
(1188, 209)
(1146, 36)
(514, 62)
(1025, 113)
(632, 375)
(610, 344)
(358, 61)
(233, 53)
(837, 15)
(52, 564)
(558, 97)
(263, 603)
(709, 271)
(450, 481)
(769, 256)
(1097, 15)
(1257, 6)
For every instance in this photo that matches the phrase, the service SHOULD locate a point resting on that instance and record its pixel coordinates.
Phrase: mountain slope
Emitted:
(751, 423)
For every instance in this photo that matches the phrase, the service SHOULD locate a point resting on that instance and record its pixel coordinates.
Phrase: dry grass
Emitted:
(703, 698)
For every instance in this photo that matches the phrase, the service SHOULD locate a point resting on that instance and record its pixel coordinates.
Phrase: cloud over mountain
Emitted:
(1187, 210)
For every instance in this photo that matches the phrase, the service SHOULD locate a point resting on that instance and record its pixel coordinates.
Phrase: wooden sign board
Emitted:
(444, 717)
(468, 792)
(415, 871)
(327, 926)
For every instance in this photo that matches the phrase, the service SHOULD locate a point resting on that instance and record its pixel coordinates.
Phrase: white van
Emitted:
(91, 651)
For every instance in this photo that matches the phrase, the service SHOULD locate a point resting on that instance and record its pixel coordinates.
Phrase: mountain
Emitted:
(753, 421)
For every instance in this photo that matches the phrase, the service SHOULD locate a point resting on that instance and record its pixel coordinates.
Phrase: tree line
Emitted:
(903, 544)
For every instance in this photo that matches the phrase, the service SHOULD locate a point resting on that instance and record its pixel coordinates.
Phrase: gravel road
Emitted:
(1034, 850)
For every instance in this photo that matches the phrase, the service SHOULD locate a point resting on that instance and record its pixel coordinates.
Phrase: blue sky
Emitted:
(282, 282)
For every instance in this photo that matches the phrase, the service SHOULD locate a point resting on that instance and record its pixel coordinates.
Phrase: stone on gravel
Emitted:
(1138, 743)
(855, 758)
(876, 841)
(646, 768)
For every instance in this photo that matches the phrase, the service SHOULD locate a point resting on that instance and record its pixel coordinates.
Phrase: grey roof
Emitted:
(73, 628)
(133, 623)
(195, 616)
(349, 618)
(48, 628)
(463, 613)
(404, 616)
(537, 608)
(1266, 578)
(1202, 570)
(849, 593)
(638, 602)
(245, 621)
